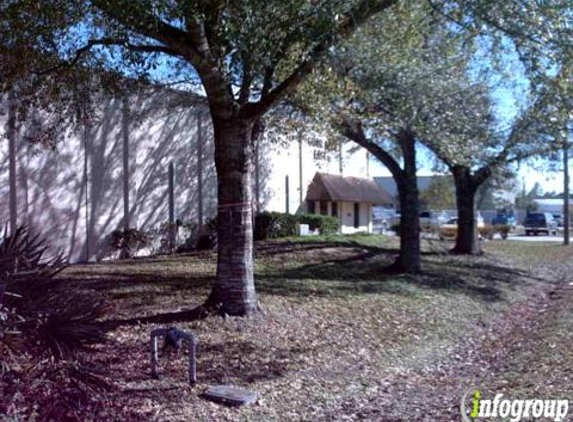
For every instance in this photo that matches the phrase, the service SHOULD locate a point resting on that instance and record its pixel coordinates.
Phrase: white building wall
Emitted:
(284, 160)
(52, 187)
(347, 218)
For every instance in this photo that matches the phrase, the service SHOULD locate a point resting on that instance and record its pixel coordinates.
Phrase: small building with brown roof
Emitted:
(349, 198)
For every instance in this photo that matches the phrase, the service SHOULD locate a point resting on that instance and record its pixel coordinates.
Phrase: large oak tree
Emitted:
(245, 55)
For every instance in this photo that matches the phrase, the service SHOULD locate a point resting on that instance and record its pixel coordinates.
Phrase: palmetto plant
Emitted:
(42, 328)
(36, 316)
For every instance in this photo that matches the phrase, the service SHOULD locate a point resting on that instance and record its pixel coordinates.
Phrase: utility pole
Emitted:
(566, 211)
(287, 195)
(300, 187)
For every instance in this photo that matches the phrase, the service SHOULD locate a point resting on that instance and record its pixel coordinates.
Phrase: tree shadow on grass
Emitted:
(165, 282)
(369, 273)
(321, 269)
(270, 248)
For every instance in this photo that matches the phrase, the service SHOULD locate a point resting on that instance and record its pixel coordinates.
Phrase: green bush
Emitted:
(270, 225)
(396, 228)
(169, 237)
(129, 241)
(274, 224)
(325, 224)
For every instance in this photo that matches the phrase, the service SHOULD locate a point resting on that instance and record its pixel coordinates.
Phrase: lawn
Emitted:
(341, 338)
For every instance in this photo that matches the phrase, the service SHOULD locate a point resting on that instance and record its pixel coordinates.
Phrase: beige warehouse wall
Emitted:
(52, 187)
(75, 217)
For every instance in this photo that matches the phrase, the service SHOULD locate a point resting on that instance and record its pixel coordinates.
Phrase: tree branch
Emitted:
(353, 130)
(145, 48)
(192, 45)
(348, 24)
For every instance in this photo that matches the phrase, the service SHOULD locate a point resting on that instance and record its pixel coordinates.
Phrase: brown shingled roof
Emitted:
(335, 188)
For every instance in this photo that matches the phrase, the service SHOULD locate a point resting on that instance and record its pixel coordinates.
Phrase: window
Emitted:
(334, 211)
(356, 215)
(324, 207)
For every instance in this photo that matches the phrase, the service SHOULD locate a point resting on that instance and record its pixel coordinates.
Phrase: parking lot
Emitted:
(539, 238)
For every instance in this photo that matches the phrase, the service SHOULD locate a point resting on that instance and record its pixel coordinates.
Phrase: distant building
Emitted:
(349, 198)
(389, 184)
(553, 206)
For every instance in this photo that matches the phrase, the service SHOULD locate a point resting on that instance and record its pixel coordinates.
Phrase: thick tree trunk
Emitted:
(467, 240)
(234, 290)
(409, 259)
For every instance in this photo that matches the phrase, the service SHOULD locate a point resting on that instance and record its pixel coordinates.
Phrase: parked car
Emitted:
(558, 219)
(433, 218)
(383, 219)
(540, 222)
(504, 220)
(449, 230)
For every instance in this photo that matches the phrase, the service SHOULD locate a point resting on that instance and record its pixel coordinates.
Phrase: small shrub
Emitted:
(325, 224)
(396, 228)
(33, 305)
(129, 241)
(43, 327)
(172, 237)
(270, 225)
(211, 225)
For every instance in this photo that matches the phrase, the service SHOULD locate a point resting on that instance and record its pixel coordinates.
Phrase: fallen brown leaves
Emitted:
(341, 339)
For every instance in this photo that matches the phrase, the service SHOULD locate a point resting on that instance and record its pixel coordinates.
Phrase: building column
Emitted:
(171, 195)
(200, 140)
(125, 136)
(87, 153)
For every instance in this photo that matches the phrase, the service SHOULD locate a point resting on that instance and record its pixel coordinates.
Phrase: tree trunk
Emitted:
(234, 290)
(467, 240)
(409, 259)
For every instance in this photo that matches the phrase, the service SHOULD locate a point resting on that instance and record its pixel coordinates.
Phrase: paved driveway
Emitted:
(540, 238)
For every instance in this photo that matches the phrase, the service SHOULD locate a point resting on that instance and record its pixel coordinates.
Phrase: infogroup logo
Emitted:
(474, 407)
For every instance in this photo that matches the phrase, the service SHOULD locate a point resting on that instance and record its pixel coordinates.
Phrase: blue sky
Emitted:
(507, 97)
